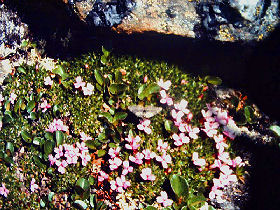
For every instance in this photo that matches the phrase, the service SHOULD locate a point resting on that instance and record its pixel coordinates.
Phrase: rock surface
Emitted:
(224, 20)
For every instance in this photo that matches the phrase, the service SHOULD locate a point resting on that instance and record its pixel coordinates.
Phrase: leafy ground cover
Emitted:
(113, 132)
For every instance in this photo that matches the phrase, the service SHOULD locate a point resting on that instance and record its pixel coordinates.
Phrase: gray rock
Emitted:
(224, 20)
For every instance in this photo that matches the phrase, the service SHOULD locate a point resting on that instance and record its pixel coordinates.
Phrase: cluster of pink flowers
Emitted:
(165, 99)
(57, 125)
(44, 106)
(70, 155)
(133, 142)
(87, 88)
(85, 137)
(3, 190)
(147, 174)
(215, 117)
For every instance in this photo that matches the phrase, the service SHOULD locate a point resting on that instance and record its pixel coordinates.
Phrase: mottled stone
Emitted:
(224, 20)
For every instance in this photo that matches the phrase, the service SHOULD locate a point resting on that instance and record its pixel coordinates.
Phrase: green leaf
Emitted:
(59, 136)
(196, 201)
(33, 116)
(179, 185)
(150, 208)
(21, 70)
(91, 180)
(38, 162)
(106, 52)
(117, 89)
(49, 135)
(26, 136)
(83, 184)
(213, 80)
(275, 129)
(50, 196)
(90, 144)
(101, 153)
(103, 59)
(249, 114)
(18, 104)
(101, 136)
(80, 204)
(120, 116)
(118, 77)
(99, 78)
(92, 200)
(10, 148)
(112, 145)
(167, 208)
(37, 140)
(30, 106)
(48, 147)
(61, 72)
(150, 89)
(170, 127)
(107, 115)
(184, 208)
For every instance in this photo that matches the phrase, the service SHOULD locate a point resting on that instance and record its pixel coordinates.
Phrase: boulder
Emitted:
(224, 20)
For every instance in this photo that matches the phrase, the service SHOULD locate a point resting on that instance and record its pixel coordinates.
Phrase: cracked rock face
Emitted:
(224, 20)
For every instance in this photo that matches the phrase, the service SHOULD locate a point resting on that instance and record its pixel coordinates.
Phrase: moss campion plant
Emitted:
(112, 132)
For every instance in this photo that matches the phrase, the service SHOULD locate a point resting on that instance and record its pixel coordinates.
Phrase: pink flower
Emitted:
(182, 106)
(126, 168)
(71, 154)
(144, 126)
(192, 132)
(85, 137)
(207, 115)
(211, 128)
(180, 139)
(82, 147)
(216, 164)
(61, 166)
(58, 151)
(215, 192)
(222, 118)
(85, 158)
(133, 142)
(115, 163)
(198, 161)
(165, 99)
(57, 125)
(148, 155)
(48, 81)
(147, 174)
(164, 160)
(220, 144)
(119, 184)
(79, 82)
(114, 152)
(33, 186)
(4, 191)
(237, 162)
(164, 85)
(224, 156)
(52, 159)
(177, 115)
(162, 146)
(138, 159)
(164, 199)
(88, 90)
(226, 170)
(12, 98)
(45, 106)
(102, 176)
(226, 179)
